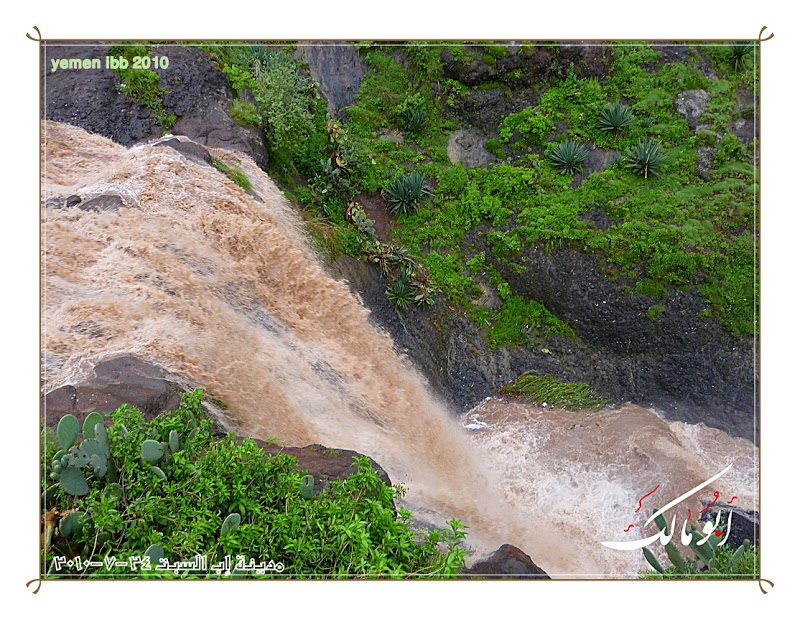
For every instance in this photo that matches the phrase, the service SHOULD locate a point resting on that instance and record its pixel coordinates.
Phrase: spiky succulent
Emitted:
(401, 293)
(568, 157)
(615, 117)
(404, 193)
(737, 53)
(645, 158)
(416, 120)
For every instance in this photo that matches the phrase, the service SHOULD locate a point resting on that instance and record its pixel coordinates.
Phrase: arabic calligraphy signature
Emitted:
(665, 536)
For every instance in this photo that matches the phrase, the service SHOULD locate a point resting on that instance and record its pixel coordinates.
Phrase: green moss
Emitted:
(548, 389)
(654, 312)
(233, 173)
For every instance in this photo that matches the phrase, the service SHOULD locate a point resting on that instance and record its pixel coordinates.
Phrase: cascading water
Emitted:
(220, 286)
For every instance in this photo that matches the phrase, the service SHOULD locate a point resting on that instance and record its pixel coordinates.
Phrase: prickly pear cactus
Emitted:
(89, 423)
(230, 523)
(651, 559)
(174, 441)
(101, 436)
(67, 430)
(155, 553)
(71, 523)
(152, 451)
(307, 487)
(73, 481)
(158, 472)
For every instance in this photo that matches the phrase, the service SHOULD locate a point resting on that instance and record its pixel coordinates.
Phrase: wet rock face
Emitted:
(193, 90)
(90, 99)
(507, 561)
(685, 366)
(338, 68)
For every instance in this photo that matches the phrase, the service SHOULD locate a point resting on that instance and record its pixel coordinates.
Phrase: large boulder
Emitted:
(691, 105)
(466, 146)
(507, 561)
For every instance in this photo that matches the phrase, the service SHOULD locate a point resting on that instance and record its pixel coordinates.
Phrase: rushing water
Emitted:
(221, 287)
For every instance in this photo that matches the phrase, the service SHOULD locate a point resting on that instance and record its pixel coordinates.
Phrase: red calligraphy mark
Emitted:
(716, 497)
(643, 496)
(732, 498)
(629, 527)
(690, 513)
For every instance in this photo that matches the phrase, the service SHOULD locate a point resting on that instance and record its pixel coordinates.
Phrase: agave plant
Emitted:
(645, 157)
(568, 157)
(615, 117)
(738, 52)
(416, 120)
(404, 193)
(401, 293)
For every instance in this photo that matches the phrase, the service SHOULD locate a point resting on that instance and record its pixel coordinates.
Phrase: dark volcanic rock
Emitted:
(744, 524)
(192, 89)
(337, 67)
(191, 150)
(104, 202)
(88, 98)
(122, 380)
(684, 365)
(507, 561)
(325, 464)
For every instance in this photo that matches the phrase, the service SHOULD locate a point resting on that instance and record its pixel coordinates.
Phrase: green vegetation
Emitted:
(645, 158)
(738, 53)
(233, 173)
(548, 389)
(404, 193)
(654, 312)
(672, 230)
(568, 157)
(214, 497)
(615, 117)
(143, 85)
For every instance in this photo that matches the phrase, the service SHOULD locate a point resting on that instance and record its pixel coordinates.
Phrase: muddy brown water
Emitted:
(222, 288)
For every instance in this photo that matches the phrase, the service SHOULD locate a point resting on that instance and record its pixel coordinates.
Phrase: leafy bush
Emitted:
(142, 85)
(568, 157)
(531, 126)
(615, 117)
(404, 193)
(645, 158)
(216, 497)
(280, 91)
(330, 183)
